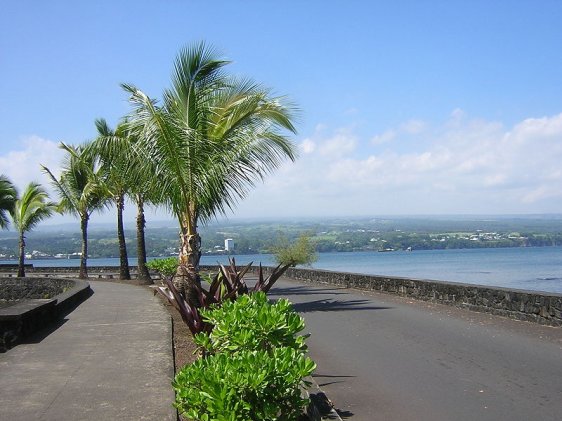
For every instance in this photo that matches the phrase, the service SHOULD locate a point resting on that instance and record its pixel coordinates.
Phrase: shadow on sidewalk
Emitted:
(38, 336)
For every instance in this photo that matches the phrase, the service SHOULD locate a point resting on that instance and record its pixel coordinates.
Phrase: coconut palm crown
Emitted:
(212, 137)
(81, 191)
(8, 196)
(31, 208)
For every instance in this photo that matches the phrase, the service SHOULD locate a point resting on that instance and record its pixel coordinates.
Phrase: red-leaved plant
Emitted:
(227, 284)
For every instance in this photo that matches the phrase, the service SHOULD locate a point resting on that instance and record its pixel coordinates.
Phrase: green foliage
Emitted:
(301, 252)
(8, 195)
(166, 267)
(32, 207)
(246, 385)
(225, 286)
(252, 323)
(255, 363)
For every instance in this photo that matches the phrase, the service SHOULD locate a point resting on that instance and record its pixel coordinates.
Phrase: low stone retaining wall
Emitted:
(539, 307)
(37, 302)
(12, 289)
(533, 306)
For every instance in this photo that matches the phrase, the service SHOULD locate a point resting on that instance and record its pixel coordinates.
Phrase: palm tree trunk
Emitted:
(187, 275)
(123, 259)
(84, 256)
(21, 266)
(143, 273)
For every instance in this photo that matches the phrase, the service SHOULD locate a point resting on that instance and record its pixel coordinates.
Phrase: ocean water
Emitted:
(533, 268)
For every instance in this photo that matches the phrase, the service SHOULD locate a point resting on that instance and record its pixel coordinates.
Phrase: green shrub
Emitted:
(254, 367)
(251, 323)
(165, 267)
(301, 252)
(243, 386)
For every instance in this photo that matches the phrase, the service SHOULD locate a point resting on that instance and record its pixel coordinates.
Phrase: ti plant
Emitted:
(227, 285)
(233, 279)
(189, 314)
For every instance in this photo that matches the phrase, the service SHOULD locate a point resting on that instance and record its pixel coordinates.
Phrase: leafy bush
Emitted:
(301, 252)
(246, 385)
(252, 323)
(254, 365)
(165, 267)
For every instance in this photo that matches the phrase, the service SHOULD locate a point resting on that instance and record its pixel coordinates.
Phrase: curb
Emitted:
(320, 407)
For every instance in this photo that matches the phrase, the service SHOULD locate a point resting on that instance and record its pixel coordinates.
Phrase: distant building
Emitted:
(229, 244)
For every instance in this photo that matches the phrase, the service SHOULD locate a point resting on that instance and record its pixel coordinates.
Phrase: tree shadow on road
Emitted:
(301, 290)
(335, 305)
(327, 376)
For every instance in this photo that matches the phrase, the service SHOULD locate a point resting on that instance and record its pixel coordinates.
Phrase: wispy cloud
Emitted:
(463, 165)
(23, 164)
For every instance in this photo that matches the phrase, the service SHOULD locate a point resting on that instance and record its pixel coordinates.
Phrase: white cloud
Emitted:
(23, 165)
(342, 143)
(463, 165)
(384, 137)
(414, 126)
(411, 127)
(307, 146)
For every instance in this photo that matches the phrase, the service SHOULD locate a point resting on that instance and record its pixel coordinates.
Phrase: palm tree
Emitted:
(30, 209)
(212, 138)
(122, 165)
(8, 196)
(112, 149)
(143, 192)
(81, 191)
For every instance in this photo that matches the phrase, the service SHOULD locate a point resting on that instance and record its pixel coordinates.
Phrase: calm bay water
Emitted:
(536, 268)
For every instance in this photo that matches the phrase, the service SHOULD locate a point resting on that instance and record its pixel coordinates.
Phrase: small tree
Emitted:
(301, 252)
(30, 209)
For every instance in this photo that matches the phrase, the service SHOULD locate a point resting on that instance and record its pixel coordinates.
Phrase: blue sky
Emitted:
(408, 107)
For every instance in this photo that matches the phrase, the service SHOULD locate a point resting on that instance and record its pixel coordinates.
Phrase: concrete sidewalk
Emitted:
(110, 359)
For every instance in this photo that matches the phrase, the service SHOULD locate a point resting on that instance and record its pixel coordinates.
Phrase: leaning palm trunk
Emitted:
(84, 255)
(143, 273)
(123, 259)
(21, 265)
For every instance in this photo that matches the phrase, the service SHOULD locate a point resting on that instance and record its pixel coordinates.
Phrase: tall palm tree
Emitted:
(141, 193)
(30, 209)
(212, 138)
(81, 192)
(112, 149)
(124, 177)
(8, 196)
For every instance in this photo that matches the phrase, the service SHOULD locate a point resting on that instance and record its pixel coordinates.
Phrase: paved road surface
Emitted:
(388, 358)
(110, 360)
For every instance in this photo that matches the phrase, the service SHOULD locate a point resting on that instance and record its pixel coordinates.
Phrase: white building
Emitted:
(229, 244)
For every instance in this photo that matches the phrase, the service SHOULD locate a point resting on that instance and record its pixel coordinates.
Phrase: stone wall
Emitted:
(15, 289)
(543, 308)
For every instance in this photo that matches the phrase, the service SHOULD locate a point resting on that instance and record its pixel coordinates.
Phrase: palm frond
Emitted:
(33, 207)
(8, 195)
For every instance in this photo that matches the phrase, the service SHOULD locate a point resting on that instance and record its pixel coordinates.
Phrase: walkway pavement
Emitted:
(110, 359)
(382, 357)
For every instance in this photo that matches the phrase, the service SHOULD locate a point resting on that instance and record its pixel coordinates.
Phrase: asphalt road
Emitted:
(389, 358)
